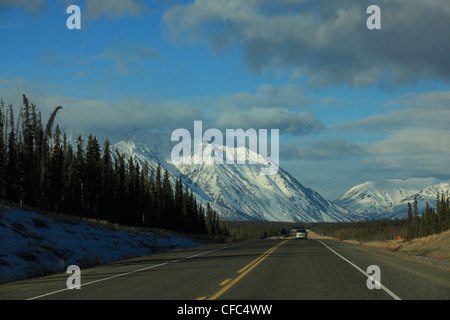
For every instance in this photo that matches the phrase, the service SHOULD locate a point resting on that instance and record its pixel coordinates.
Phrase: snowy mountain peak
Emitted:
(236, 191)
(388, 198)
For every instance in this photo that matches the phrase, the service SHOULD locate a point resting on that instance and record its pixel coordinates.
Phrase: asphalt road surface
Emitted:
(275, 269)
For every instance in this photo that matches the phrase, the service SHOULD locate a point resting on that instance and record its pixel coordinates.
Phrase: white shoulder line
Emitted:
(389, 292)
(131, 272)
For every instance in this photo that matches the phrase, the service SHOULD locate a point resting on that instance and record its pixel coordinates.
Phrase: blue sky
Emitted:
(351, 104)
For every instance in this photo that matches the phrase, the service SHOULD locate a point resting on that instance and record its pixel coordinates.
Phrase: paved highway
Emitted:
(281, 269)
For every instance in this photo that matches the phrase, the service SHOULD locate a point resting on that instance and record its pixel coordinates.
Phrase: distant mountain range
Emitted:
(388, 198)
(240, 192)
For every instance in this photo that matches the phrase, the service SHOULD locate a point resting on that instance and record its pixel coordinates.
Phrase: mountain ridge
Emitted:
(239, 192)
(388, 198)
(236, 191)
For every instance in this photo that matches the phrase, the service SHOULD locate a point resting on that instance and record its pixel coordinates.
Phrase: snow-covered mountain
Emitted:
(388, 198)
(236, 192)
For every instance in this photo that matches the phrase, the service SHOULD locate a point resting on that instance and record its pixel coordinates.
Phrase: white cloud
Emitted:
(124, 55)
(417, 111)
(410, 139)
(95, 114)
(412, 142)
(286, 121)
(267, 96)
(328, 41)
(31, 6)
(320, 149)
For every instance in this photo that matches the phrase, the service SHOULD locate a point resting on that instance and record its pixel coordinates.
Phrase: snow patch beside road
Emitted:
(34, 244)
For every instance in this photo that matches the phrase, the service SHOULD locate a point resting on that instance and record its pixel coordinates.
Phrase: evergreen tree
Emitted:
(445, 208)
(212, 220)
(416, 218)
(56, 173)
(166, 201)
(93, 177)
(132, 193)
(144, 195)
(77, 180)
(26, 157)
(3, 155)
(42, 155)
(157, 196)
(187, 211)
(409, 227)
(12, 170)
(178, 205)
(120, 189)
(201, 220)
(150, 218)
(68, 160)
(194, 214)
(441, 212)
(107, 188)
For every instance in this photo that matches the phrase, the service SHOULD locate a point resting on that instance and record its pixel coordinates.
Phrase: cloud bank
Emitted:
(326, 41)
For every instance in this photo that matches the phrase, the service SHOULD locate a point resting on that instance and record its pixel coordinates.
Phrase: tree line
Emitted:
(380, 229)
(40, 169)
(431, 220)
(415, 225)
(251, 230)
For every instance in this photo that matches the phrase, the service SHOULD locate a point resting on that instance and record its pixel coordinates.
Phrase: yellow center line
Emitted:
(256, 260)
(246, 270)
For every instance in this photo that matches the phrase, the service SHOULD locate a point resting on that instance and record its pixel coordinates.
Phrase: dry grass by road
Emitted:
(434, 248)
(313, 235)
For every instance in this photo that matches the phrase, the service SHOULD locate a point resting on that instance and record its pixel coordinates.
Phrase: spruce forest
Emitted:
(415, 225)
(40, 169)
